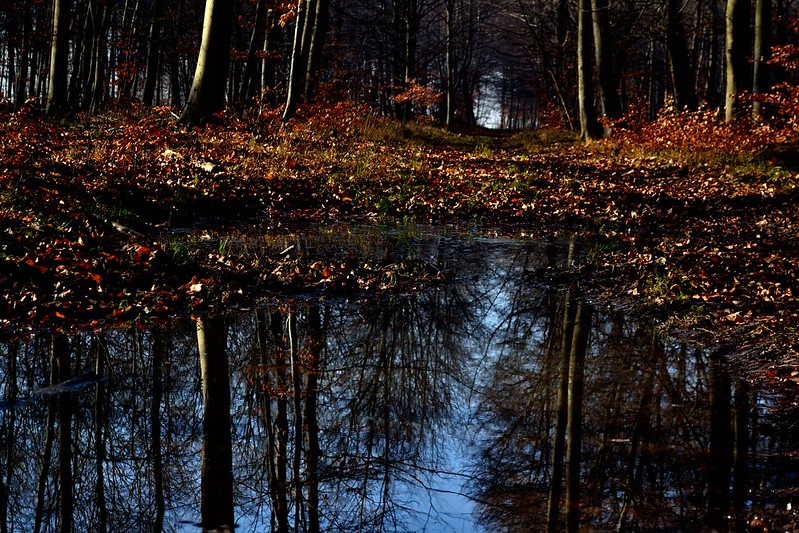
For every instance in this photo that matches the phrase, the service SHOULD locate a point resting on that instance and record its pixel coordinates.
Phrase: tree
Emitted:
(682, 75)
(608, 97)
(309, 35)
(760, 81)
(59, 56)
(207, 94)
(736, 39)
(589, 125)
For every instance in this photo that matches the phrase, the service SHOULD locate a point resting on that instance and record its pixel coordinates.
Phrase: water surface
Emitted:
(484, 404)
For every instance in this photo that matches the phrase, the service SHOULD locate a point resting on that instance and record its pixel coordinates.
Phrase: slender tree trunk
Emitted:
(760, 78)
(153, 69)
(736, 39)
(270, 62)
(250, 79)
(682, 75)
(450, 63)
(296, 73)
(20, 93)
(603, 54)
(589, 125)
(207, 94)
(59, 58)
(317, 42)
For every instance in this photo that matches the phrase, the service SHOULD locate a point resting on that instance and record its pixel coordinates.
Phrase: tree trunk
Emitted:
(603, 53)
(270, 62)
(589, 125)
(316, 45)
(682, 75)
(450, 64)
(760, 78)
(250, 79)
(153, 53)
(736, 38)
(297, 70)
(59, 57)
(20, 94)
(207, 95)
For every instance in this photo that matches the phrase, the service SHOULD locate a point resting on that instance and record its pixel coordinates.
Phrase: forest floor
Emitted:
(89, 208)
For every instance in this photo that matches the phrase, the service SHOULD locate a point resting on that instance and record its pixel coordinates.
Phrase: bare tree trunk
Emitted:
(153, 69)
(207, 94)
(59, 57)
(315, 51)
(298, 60)
(250, 83)
(450, 64)
(589, 125)
(20, 94)
(682, 75)
(760, 78)
(610, 106)
(736, 39)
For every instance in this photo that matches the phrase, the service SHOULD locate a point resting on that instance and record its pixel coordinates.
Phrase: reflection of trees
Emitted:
(649, 453)
(339, 415)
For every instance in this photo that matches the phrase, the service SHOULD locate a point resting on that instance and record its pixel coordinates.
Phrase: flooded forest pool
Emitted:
(486, 403)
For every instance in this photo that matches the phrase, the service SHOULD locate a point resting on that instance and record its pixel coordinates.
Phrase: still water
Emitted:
(487, 403)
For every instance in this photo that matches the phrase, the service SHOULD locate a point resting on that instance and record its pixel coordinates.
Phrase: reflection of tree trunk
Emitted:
(281, 514)
(312, 434)
(741, 452)
(99, 435)
(639, 437)
(159, 351)
(216, 504)
(47, 454)
(296, 382)
(60, 359)
(558, 446)
(721, 438)
(579, 347)
(8, 429)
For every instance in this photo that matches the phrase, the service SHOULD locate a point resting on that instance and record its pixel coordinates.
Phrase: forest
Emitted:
(513, 64)
(302, 265)
(126, 121)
